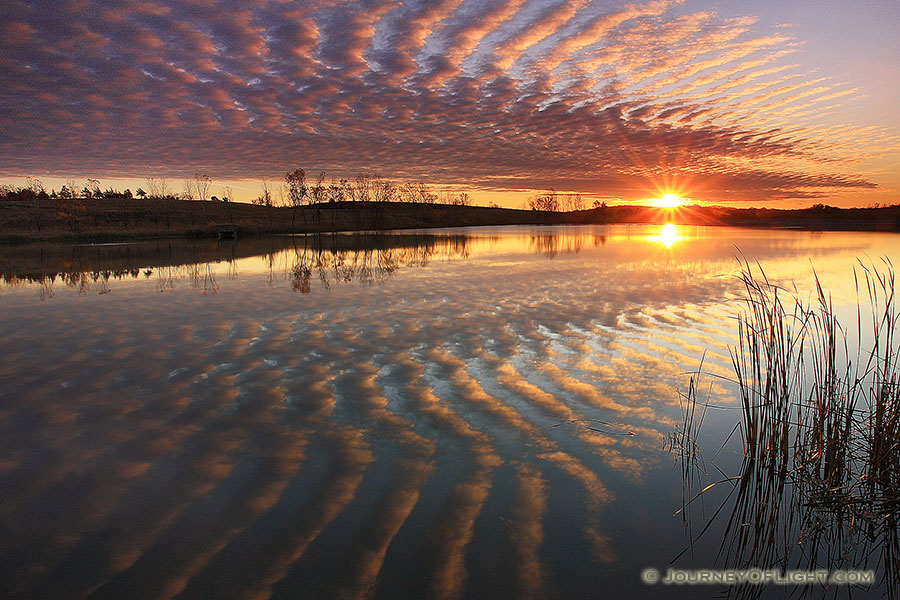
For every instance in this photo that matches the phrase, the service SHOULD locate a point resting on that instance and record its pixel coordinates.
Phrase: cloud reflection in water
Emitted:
(367, 427)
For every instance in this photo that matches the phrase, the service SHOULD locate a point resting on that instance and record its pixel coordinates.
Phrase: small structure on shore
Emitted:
(227, 231)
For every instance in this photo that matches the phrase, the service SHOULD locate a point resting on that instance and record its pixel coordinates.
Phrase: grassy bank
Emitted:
(107, 220)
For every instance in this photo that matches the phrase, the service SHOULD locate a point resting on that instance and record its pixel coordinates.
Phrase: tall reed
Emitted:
(819, 484)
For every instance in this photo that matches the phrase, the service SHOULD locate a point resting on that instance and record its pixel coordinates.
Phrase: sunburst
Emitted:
(668, 200)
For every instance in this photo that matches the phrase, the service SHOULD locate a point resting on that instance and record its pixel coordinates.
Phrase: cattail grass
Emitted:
(819, 484)
(811, 408)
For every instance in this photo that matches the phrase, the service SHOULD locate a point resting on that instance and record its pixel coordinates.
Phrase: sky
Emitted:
(764, 103)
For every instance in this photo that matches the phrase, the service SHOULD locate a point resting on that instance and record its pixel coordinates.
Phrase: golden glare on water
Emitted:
(668, 201)
(668, 235)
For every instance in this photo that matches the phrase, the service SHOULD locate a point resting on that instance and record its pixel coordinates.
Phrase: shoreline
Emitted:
(109, 221)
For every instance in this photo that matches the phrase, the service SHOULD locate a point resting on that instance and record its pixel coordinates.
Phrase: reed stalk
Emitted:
(819, 484)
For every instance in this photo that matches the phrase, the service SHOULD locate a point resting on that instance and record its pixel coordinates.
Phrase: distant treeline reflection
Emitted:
(344, 258)
(551, 245)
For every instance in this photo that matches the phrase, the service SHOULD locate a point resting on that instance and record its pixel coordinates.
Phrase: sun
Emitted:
(668, 201)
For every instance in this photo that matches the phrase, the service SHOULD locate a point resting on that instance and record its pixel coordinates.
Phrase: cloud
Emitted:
(507, 93)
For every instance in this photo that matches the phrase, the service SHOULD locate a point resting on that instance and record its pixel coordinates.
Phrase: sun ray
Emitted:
(668, 200)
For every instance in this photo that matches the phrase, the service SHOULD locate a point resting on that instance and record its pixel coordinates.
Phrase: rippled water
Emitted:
(465, 413)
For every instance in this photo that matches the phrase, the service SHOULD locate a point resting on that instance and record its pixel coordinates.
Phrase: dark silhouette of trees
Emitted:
(70, 211)
(265, 199)
(227, 196)
(547, 201)
(383, 190)
(573, 202)
(317, 192)
(158, 188)
(35, 188)
(159, 192)
(187, 189)
(297, 191)
(336, 191)
(363, 188)
(92, 187)
(462, 199)
(202, 182)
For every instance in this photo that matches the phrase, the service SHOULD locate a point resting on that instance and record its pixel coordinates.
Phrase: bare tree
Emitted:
(447, 197)
(266, 193)
(425, 195)
(347, 190)
(228, 198)
(335, 191)
(35, 189)
(383, 190)
(462, 199)
(158, 188)
(93, 185)
(34, 185)
(363, 187)
(572, 202)
(318, 191)
(201, 185)
(577, 202)
(408, 192)
(266, 199)
(187, 187)
(547, 201)
(72, 188)
(297, 191)
(415, 192)
(159, 191)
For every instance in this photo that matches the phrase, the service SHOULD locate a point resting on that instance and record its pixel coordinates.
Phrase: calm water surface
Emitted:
(475, 413)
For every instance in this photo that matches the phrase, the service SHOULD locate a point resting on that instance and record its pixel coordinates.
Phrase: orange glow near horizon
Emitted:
(668, 200)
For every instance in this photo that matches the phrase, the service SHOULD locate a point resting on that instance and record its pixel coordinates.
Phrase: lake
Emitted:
(465, 413)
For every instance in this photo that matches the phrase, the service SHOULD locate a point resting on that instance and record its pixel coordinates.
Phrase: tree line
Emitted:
(552, 201)
(197, 187)
(297, 190)
(294, 191)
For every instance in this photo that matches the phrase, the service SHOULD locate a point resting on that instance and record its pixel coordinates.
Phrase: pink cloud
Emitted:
(500, 94)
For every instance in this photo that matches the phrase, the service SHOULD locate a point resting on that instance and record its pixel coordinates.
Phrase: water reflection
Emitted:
(668, 235)
(441, 414)
(324, 260)
(366, 259)
(819, 484)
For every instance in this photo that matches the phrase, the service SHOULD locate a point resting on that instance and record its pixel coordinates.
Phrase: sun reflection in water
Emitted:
(668, 235)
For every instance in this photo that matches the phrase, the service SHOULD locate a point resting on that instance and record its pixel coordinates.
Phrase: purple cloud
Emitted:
(500, 94)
